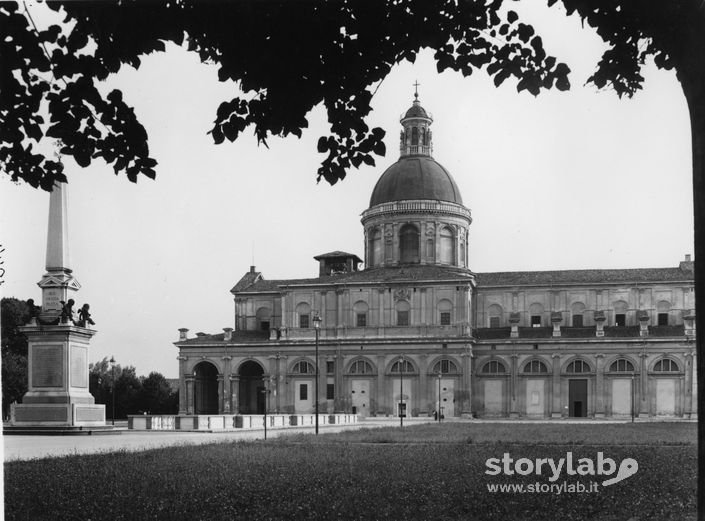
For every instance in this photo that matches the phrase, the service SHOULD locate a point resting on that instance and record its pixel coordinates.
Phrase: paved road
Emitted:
(32, 447)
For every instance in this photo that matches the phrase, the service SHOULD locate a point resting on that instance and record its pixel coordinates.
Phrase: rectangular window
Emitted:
(303, 392)
(494, 322)
(620, 319)
(330, 392)
(362, 320)
(402, 318)
(663, 319)
(330, 366)
(577, 321)
(303, 321)
(535, 320)
(445, 318)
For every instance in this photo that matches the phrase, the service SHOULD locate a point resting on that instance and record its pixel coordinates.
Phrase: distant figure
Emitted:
(84, 317)
(67, 312)
(33, 311)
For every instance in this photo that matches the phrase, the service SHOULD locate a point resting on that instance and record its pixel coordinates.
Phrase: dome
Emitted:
(416, 111)
(415, 177)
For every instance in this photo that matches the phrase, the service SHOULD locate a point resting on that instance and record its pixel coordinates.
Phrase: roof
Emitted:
(416, 111)
(387, 275)
(415, 177)
(337, 255)
(546, 278)
(237, 337)
(247, 280)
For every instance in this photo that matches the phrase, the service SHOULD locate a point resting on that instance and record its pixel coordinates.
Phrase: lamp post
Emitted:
(401, 391)
(317, 327)
(112, 367)
(439, 397)
(632, 397)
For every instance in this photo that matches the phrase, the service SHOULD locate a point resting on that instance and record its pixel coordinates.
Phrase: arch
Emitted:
(621, 365)
(263, 315)
(494, 366)
(402, 365)
(303, 366)
(205, 389)
(303, 312)
(445, 366)
(445, 312)
(535, 366)
(494, 315)
(665, 365)
(409, 244)
(447, 245)
(361, 366)
(577, 366)
(414, 136)
(251, 398)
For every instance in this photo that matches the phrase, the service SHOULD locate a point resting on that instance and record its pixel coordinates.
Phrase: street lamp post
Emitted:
(112, 367)
(632, 397)
(401, 392)
(317, 327)
(439, 397)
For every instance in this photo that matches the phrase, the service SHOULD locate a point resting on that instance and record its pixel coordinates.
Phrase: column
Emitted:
(189, 394)
(223, 388)
(234, 389)
(381, 323)
(644, 387)
(600, 386)
(466, 405)
(688, 390)
(556, 411)
(423, 382)
(513, 404)
(381, 391)
(422, 297)
(182, 384)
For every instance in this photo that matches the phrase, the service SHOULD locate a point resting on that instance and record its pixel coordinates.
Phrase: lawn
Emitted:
(420, 472)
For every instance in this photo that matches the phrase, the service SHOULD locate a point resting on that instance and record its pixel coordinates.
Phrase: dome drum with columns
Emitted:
(416, 213)
(538, 344)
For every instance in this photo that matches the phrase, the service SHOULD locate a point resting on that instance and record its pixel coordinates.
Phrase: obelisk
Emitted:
(58, 395)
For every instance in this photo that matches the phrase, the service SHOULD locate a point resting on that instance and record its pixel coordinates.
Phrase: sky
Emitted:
(565, 180)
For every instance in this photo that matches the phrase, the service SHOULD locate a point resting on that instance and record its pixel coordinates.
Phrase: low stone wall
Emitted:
(230, 422)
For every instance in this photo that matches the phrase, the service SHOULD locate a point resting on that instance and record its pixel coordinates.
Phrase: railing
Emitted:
(229, 422)
(421, 206)
(407, 150)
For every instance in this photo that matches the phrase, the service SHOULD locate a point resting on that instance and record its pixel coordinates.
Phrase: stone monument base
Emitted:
(57, 415)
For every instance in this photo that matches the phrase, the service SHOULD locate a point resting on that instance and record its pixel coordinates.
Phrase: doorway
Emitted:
(205, 399)
(251, 398)
(577, 398)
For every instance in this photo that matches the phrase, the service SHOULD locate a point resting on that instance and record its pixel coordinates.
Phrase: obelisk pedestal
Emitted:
(58, 394)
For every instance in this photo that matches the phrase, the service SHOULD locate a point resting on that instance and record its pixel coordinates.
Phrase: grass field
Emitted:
(421, 472)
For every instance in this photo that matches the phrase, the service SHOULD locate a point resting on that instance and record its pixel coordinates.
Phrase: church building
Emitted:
(416, 332)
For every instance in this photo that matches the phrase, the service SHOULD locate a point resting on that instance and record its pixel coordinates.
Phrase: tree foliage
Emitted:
(285, 58)
(14, 313)
(133, 394)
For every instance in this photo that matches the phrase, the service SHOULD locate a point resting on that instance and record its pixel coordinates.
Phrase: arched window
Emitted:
(622, 365)
(360, 309)
(577, 312)
(303, 367)
(409, 244)
(445, 312)
(303, 311)
(375, 247)
(578, 366)
(445, 366)
(414, 136)
(361, 367)
(263, 317)
(536, 314)
(620, 313)
(662, 309)
(447, 246)
(403, 310)
(666, 365)
(494, 316)
(402, 366)
(493, 367)
(535, 367)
